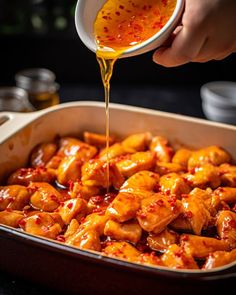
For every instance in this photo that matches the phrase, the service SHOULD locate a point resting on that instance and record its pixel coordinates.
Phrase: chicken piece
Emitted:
(203, 177)
(143, 184)
(48, 225)
(174, 184)
(228, 175)
(124, 207)
(150, 259)
(122, 250)
(84, 191)
(226, 227)
(54, 162)
(210, 155)
(85, 239)
(15, 197)
(42, 154)
(98, 140)
(181, 157)
(95, 221)
(23, 176)
(100, 203)
(44, 196)
(70, 146)
(223, 194)
(163, 151)
(219, 258)
(176, 257)
(161, 241)
(201, 247)
(136, 142)
(129, 231)
(163, 168)
(157, 212)
(11, 217)
(135, 163)
(72, 209)
(94, 173)
(195, 212)
(206, 197)
(72, 228)
(114, 151)
(69, 170)
(181, 223)
(87, 236)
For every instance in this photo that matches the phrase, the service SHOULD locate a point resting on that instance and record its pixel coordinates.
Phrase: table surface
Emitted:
(181, 100)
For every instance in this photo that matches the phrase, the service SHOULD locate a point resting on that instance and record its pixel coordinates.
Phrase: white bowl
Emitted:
(220, 93)
(219, 101)
(85, 15)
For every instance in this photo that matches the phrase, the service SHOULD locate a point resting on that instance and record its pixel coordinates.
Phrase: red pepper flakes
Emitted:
(121, 7)
(156, 188)
(188, 214)
(70, 205)
(71, 185)
(185, 196)
(164, 2)
(234, 208)
(141, 215)
(160, 203)
(8, 209)
(232, 223)
(179, 253)
(22, 223)
(167, 192)
(185, 238)
(219, 190)
(54, 198)
(37, 220)
(192, 171)
(61, 239)
(97, 199)
(117, 13)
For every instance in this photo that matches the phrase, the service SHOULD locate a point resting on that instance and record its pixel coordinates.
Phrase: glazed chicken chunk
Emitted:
(138, 198)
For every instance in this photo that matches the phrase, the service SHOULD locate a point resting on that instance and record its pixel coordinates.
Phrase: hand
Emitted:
(207, 32)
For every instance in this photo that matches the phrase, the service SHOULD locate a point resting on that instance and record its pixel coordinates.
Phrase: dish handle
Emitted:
(11, 122)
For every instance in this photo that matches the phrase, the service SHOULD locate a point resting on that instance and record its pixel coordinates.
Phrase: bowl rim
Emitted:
(136, 49)
(209, 93)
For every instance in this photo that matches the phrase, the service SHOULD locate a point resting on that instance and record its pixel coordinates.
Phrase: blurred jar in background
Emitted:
(14, 99)
(40, 85)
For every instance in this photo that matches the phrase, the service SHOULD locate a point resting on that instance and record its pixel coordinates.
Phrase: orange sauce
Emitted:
(122, 24)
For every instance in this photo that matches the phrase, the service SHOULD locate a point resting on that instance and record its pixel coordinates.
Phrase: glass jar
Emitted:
(15, 100)
(40, 85)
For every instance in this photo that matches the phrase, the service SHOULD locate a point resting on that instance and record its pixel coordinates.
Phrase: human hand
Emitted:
(207, 32)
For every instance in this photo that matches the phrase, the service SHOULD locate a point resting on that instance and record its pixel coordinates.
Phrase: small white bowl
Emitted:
(85, 15)
(219, 101)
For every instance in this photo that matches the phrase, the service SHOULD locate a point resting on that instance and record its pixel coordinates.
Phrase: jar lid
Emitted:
(14, 99)
(36, 80)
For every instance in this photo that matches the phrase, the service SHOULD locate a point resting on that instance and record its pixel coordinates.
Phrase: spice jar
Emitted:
(40, 85)
(15, 100)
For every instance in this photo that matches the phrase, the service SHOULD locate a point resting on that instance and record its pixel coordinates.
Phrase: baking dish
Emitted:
(84, 272)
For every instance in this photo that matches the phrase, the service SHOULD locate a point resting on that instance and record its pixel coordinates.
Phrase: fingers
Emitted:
(184, 48)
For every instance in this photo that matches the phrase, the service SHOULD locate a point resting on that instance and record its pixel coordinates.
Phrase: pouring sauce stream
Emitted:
(121, 25)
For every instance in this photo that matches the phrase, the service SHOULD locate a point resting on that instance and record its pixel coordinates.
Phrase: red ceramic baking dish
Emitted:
(76, 271)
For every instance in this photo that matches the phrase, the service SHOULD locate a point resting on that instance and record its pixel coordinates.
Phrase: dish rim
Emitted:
(216, 273)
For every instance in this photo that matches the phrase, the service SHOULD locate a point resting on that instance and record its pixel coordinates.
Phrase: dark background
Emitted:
(41, 33)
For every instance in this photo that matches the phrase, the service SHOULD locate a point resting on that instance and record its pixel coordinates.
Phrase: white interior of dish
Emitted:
(24, 131)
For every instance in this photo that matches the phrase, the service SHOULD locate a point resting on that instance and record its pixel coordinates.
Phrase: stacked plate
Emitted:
(219, 101)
